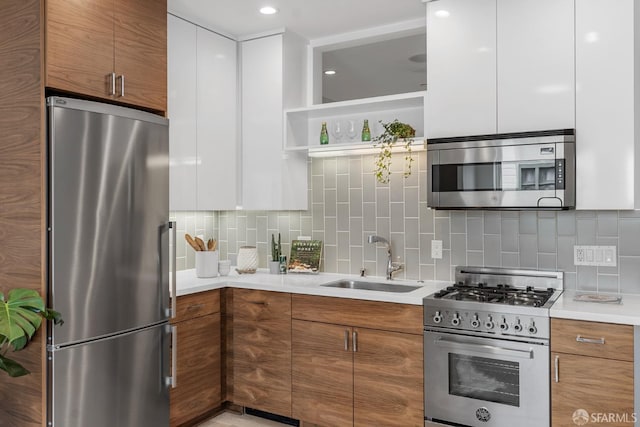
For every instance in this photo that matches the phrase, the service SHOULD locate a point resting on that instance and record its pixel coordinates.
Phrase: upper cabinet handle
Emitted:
(112, 83)
(590, 340)
(121, 77)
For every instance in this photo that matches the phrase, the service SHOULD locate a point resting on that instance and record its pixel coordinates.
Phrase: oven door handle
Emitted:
(483, 348)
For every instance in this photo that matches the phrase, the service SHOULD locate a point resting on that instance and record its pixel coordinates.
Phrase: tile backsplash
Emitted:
(347, 204)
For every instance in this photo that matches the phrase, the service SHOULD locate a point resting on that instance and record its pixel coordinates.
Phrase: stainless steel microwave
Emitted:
(528, 170)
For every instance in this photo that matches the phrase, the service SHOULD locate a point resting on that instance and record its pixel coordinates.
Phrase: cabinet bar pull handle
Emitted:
(174, 275)
(590, 340)
(122, 85)
(195, 307)
(355, 341)
(346, 340)
(112, 83)
(557, 365)
(174, 356)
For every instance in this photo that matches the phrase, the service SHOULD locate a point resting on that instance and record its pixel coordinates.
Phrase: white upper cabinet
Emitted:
(217, 126)
(536, 89)
(461, 68)
(182, 90)
(202, 108)
(273, 68)
(607, 104)
(496, 66)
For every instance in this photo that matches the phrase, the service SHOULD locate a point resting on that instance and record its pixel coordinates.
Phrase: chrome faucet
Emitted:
(392, 267)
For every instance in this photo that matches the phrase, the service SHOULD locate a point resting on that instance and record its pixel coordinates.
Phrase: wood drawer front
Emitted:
(385, 316)
(196, 305)
(252, 305)
(618, 339)
(199, 383)
(262, 350)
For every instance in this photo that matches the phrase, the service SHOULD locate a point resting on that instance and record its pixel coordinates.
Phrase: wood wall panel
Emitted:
(22, 208)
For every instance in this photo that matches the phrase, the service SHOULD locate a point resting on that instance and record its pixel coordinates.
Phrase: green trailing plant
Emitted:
(276, 248)
(393, 131)
(21, 315)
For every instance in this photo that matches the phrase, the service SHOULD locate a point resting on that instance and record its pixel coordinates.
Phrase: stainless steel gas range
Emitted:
(486, 348)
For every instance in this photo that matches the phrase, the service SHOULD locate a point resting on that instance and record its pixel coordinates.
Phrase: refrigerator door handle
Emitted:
(174, 356)
(174, 286)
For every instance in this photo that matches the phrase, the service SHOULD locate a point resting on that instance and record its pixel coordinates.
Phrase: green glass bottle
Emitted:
(366, 133)
(324, 135)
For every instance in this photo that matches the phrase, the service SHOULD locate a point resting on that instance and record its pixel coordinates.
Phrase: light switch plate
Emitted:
(603, 256)
(436, 249)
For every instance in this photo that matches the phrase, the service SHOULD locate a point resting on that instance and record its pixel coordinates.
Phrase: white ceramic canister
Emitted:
(207, 263)
(247, 259)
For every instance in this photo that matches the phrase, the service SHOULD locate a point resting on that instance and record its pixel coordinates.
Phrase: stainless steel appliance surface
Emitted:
(486, 348)
(109, 273)
(527, 170)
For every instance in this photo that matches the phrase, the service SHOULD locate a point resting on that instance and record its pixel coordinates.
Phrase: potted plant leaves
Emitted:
(21, 315)
(394, 132)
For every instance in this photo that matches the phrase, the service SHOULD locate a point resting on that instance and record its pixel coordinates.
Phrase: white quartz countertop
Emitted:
(626, 313)
(309, 284)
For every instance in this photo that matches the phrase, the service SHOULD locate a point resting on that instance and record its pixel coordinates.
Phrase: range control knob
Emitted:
(504, 325)
(489, 323)
(532, 328)
(456, 320)
(437, 318)
(475, 323)
(518, 326)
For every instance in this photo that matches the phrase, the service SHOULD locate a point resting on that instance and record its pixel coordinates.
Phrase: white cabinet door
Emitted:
(217, 122)
(535, 65)
(271, 180)
(461, 68)
(607, 150)
(181, 85)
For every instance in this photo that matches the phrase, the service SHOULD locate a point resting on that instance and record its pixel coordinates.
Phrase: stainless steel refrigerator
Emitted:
(109, 230)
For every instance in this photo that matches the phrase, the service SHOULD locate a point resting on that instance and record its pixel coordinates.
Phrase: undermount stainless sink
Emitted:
(371, 286)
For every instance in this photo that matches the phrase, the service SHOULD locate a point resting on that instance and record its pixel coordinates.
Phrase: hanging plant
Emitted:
(393, 132)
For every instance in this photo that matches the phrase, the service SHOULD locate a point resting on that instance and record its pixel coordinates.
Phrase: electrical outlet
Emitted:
(436, 249)
(603, 256)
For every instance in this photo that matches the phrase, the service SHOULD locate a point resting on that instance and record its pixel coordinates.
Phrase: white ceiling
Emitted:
(311, 19)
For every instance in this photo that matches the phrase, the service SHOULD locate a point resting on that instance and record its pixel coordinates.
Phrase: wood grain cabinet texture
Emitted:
(88, 41)
(347, 374)
(198, 367)
(261, 337)
(592, 369)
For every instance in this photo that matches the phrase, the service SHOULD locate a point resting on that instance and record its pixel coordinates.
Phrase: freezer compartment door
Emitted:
(117, 381)
(109, 208)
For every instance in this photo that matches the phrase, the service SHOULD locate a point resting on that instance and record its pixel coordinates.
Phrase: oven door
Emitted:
(475, 381)
(513, 176)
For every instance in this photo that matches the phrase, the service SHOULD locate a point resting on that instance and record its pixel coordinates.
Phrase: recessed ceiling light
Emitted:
(268, 10)
(330, 72)
(442, 13)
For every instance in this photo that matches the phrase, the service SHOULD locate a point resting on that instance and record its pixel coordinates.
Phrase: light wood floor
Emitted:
(228, 419)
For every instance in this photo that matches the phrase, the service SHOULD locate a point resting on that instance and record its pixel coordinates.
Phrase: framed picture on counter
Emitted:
(305, 256)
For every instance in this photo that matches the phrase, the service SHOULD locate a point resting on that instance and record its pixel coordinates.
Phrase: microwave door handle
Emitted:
(483, 348)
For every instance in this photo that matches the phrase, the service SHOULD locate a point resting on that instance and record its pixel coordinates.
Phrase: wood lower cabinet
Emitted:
(592, 369)
(322, 373)
(345, 374)
(198, 365)
(87, 42)
(261, 343)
